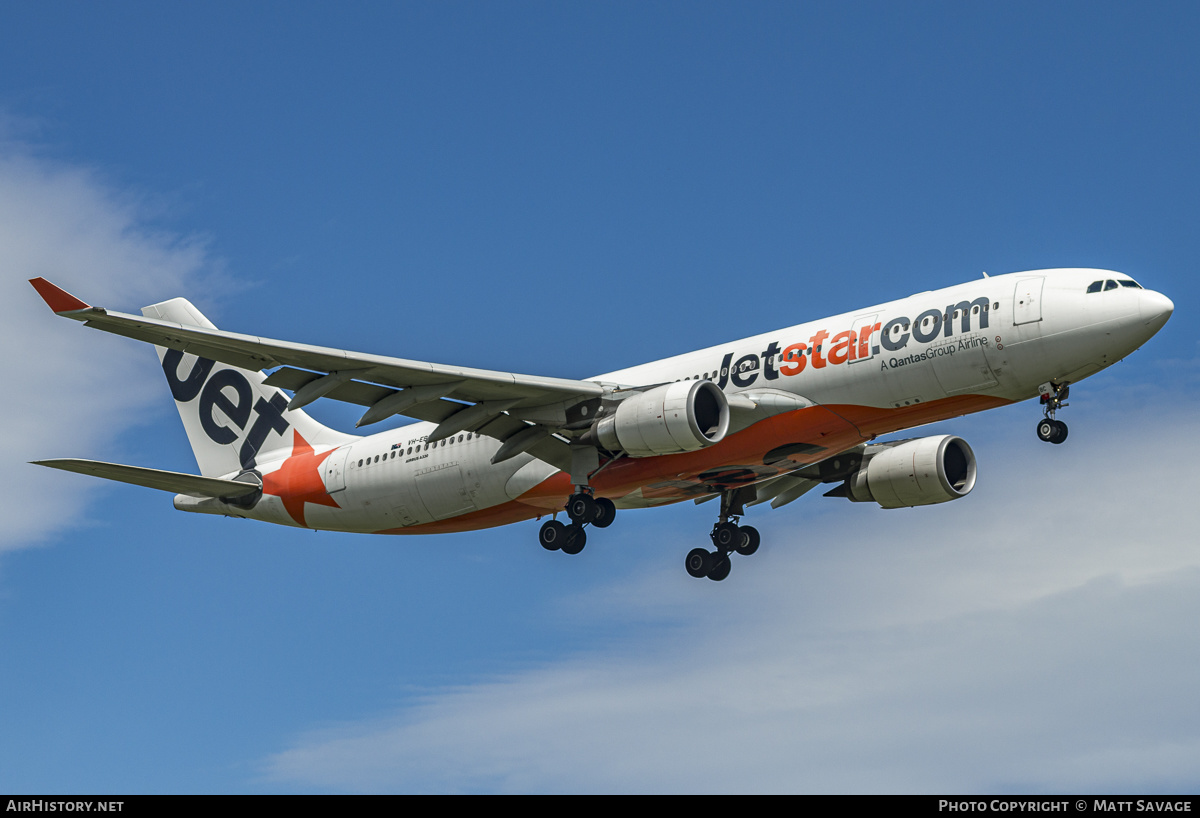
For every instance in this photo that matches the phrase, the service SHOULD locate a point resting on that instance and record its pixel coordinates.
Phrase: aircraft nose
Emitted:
(1155, 309)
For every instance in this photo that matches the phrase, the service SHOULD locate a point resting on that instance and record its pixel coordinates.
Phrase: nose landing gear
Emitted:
(1054, 397)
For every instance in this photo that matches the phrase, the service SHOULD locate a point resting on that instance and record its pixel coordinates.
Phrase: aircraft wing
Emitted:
(386, 385)
(172, 481)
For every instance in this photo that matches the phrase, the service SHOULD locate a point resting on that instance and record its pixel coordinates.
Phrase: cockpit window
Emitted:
(1095, 286)
(1126, 282)
(1110, 285)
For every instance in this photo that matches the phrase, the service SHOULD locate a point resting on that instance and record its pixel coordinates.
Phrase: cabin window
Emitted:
(360, 464)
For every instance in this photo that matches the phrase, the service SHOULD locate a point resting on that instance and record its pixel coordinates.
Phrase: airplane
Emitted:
(762, 419)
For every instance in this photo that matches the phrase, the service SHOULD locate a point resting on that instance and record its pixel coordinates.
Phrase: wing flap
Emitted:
(172, 481)
(553, 450)
(357, 392)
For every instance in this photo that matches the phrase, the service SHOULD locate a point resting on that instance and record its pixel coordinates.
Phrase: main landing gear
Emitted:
(727, 537)
(582, 509)
(1054, 397)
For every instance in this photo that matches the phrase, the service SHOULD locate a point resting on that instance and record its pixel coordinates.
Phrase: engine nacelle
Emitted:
(917, 473)
(679, 417)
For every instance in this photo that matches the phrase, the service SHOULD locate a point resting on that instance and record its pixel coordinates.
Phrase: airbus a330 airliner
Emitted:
(766, 418)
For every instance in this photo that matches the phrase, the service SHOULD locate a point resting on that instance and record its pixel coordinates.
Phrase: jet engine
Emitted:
(914, 473)
(678, 417)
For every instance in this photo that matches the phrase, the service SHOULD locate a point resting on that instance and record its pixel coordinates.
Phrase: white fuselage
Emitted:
(877, 370)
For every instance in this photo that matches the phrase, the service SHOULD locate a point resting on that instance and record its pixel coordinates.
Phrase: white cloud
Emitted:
(71, 391)
(1037, 636)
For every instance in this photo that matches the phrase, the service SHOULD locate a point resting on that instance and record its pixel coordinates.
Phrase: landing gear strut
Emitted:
(582, 508)
(1054, 397)
(727, 537)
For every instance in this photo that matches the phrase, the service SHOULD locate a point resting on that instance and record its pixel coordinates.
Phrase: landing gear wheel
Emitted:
(750, 540)
(698, 562)
(1047, 430)
(1054, 397)
(575, 539)
(726, 536)
(606, 512)
(720, 568)
(581, 508)
(552, 535)
(1060, 432)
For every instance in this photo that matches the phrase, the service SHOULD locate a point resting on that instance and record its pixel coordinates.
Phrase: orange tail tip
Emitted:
(57, 298)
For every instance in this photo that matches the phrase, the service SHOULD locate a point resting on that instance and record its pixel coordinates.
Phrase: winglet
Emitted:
(57, 298)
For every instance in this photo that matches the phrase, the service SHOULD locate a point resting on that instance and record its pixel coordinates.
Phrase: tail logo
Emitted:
(237, 406)
(298, 480)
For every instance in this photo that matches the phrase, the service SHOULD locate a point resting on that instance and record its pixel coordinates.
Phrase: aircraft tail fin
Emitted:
(232, 418)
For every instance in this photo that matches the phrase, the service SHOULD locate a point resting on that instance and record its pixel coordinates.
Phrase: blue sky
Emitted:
(566, 189)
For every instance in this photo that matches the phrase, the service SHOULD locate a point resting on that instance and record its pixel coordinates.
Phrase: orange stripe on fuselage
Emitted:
(874, 421)
(737, 460)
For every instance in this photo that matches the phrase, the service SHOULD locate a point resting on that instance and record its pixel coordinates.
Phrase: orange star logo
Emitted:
(298, 480)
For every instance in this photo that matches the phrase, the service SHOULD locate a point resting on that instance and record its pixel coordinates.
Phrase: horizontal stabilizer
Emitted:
(173, 481)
